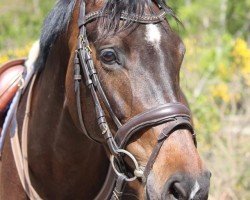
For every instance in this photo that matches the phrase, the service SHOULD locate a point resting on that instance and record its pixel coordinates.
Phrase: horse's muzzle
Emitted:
(180, 186)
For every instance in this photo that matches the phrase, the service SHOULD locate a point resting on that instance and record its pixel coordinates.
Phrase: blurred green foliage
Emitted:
(21, 21)
(217, 38)
(216, 16)
(215, 77)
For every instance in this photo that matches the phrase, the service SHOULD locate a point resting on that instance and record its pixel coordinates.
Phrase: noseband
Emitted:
(176, 115)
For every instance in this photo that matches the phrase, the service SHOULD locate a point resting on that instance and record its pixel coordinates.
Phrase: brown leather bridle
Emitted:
(176, 115)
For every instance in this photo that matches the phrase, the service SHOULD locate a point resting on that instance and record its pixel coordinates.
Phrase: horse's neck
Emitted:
(62, 161)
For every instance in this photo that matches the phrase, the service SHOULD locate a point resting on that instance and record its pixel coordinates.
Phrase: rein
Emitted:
(176, 115)
(21, 153)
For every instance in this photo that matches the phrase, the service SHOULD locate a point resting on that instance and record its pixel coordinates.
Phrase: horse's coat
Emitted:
(146, 76)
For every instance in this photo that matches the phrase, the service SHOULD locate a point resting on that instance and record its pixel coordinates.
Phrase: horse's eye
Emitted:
(108, 56)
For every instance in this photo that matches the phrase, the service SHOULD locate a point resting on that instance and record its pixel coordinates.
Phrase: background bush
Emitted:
(215, 77)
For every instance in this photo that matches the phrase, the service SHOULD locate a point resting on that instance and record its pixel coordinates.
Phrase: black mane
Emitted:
(55, 23)
(58, 19)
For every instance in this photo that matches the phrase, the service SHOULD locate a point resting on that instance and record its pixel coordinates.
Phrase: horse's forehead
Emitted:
(94, 5)
(158, 36)
(153, 34)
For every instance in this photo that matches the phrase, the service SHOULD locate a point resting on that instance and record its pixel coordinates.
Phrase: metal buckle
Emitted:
(88, 49)
(81, 38)
(21, 84)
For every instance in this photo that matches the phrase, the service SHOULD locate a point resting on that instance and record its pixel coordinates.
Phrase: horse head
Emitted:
(107, 70)
(138, 58)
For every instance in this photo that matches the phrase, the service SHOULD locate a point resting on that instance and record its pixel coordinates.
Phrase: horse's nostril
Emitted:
(177, 191)
(208, 174)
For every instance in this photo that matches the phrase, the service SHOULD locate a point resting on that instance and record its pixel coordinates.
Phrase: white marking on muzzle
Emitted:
(153, 35)
(194, 191)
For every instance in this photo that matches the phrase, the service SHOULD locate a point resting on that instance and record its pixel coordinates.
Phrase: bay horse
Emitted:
(103, 116)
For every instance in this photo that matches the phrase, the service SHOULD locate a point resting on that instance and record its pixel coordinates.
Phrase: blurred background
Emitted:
(215, 77)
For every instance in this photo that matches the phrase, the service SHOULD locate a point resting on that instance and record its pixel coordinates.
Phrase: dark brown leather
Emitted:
(177, 123)
(108, 186)
(9, 76)
(152, 117)
(12, 63)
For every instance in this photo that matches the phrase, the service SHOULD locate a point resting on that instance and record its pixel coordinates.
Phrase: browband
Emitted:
(143, 19)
